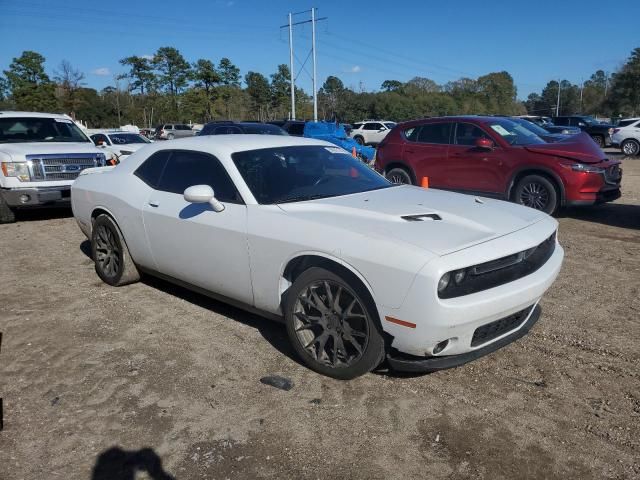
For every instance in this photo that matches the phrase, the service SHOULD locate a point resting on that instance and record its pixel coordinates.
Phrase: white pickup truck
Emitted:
(41, 154)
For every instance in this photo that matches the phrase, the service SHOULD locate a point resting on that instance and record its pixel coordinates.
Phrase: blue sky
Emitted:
(363, 43)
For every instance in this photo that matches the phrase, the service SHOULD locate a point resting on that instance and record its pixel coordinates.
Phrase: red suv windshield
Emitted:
(513, 133)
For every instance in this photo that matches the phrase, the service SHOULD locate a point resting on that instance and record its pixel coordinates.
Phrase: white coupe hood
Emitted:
(408, 214)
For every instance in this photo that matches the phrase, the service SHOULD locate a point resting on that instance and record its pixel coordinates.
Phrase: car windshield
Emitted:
(126, 138)
(299, 173)
(513, 133)
(263, 129)
(389, 125)
(531, 126)
(589, 120)
(35, 129)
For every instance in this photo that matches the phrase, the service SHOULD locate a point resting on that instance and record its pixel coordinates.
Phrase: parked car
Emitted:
(226, 128)
(169, 131)
(493, 156)
(600, 132)
(538, 130)
(331, 132)
(626, 135)
(275, 224)
(371, 132)
(548, 125)
(41, 154)
(120, 143)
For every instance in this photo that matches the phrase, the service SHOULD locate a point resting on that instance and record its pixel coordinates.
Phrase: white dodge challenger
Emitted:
(360, 269)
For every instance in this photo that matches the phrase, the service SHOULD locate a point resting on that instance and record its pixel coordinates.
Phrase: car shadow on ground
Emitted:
(118, 464)
(272, 331)
(612, 214)
(39, 214)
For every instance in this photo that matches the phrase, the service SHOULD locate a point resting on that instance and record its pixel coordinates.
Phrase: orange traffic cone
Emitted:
(425, 182)
(354, 154)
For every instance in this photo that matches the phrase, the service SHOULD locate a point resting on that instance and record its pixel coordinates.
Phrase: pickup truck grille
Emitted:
(61, 167)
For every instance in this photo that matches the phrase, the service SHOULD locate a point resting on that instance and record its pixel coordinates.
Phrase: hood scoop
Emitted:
(420, 217)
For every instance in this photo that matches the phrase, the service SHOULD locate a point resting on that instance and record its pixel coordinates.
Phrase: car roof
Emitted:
(630, 119)
(454, 118)
(12, 114)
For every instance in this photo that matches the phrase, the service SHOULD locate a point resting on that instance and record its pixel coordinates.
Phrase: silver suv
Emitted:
(169, 131)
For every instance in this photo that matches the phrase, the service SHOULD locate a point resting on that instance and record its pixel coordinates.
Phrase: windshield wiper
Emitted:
(300, 198)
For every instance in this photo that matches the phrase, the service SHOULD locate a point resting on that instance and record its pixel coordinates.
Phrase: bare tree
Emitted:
(69, 81)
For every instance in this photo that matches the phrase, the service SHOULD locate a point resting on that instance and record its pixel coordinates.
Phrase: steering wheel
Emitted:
(322, 179)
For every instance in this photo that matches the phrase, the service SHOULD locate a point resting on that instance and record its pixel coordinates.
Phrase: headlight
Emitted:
(611, 131)
(444, 282)
(581, 167)
(459, 276)
(20, 170)
(565, 132)
(102, 160)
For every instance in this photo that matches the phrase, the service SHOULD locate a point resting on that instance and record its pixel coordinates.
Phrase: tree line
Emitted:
(166, 87)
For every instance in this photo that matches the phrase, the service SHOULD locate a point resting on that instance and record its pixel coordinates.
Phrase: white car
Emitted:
(626, 135)
(294, 228)
(120, 143)
(41, 154)
(371, 132)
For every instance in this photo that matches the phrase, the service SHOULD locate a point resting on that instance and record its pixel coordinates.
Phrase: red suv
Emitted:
(493, 156)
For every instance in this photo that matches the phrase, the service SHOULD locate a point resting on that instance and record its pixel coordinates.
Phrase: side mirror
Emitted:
(484, 144)
(203, 194)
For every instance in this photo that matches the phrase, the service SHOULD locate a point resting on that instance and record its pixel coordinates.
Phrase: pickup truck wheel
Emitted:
(599, 139)
(630, 147)
(399, 175)
(537, 192)
(333, 325)
(7, 215)
(359, 139)
(110, 253)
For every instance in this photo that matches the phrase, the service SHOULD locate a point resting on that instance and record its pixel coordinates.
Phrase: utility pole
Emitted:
(581, 90)
(558, 102)
(290, 26)
(293, 85)
(313, 54)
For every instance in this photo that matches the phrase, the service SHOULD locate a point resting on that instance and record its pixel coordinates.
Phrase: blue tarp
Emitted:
(335, 133)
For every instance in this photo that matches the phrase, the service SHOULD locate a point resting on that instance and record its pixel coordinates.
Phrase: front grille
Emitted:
(495, 329)
(613, 174)
(502, 270)
(60, 167)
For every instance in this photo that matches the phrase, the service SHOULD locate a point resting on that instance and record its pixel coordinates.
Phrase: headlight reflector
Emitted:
(581, 167)
(20, 170)
(459, 276)
(444, 281)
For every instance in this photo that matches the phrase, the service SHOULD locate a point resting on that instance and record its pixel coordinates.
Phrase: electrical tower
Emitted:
(313, 21)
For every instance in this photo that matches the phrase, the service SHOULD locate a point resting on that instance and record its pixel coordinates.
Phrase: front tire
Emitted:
(630, 147)
(537, 192)
(333, 325)
(7, 215)
(399, 175)
(110, 254)
(599, 139)
(359, 140)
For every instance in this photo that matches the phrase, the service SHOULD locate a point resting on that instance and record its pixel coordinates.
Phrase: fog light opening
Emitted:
(25, 198)
(440, 347)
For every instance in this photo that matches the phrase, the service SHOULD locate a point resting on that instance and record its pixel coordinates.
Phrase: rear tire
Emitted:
(171, 136)
(399, 175)
(537, 192)
(359, 140)
(112, 260)
(599, 139)
(333, 325)
(630, 147)
(7, 215)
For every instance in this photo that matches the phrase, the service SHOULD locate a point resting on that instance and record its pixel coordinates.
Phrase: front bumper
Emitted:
(603, 196)
(408, 363)
(37, 196)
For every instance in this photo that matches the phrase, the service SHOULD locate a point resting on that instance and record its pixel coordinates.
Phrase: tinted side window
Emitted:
(467, 134)
(562, 121)
(187, 168)
(208, 130)
(372, 126)
(411, 134)
(99, 137)
(356, 126)
(183, 127)
(622, 123)
(149, 172)
(435, 133)
(227, 130)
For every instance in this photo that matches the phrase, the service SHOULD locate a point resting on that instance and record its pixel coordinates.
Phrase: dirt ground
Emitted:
(101, 382)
